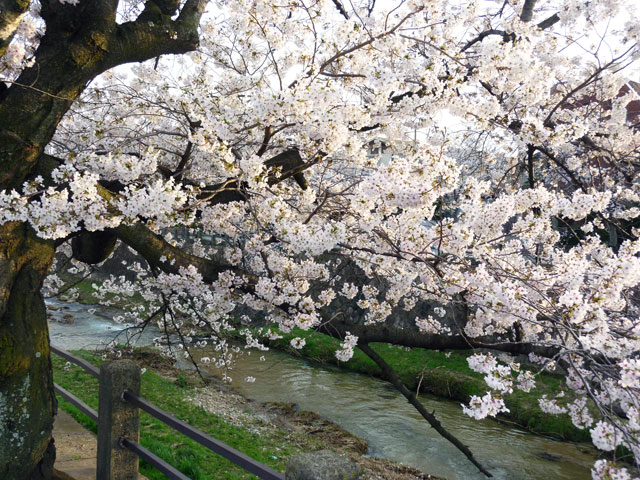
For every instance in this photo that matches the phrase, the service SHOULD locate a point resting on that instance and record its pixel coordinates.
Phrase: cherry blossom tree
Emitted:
(506, 216)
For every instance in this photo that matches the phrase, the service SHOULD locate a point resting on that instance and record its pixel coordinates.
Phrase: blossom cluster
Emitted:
(412, 173)
(346, 348)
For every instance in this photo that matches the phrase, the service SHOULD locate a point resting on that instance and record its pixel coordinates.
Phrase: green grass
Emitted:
(85, 291)
(447, 377)
(444, 376)
(192, 459)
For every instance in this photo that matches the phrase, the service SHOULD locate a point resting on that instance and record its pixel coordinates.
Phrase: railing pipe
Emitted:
(154, 460)
(76, 402)
(119, 425)
(81, 362)
(230, 453)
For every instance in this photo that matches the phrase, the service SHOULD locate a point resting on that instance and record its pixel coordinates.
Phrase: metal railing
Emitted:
(76, 402)
(125, 405)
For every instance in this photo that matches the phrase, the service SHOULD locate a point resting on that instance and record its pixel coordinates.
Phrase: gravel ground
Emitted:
(307, 430)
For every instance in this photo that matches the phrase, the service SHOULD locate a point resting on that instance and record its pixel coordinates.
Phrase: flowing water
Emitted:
(373, 410)
(92, 327)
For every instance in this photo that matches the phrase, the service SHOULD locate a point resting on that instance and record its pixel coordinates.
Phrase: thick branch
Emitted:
(341, 9)
(527, 10)
(190, 16)
(526, 16)
(93, 247)
(506, 37)
(530, 166)
(142, 41)
(268, 133)
(65, 19)
(291, 164)
(393, 377)
(155, 9)
(407, 334)
(552, 20)
(184, 159)
(163, 256)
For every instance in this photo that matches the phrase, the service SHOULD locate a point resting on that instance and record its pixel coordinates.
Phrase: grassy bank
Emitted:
(267, 432)
(443, 374)
(189, 457)
(446, 375)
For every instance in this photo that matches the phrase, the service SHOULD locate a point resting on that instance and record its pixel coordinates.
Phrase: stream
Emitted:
(369, 408)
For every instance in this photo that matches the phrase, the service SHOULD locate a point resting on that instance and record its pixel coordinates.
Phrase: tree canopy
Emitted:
(450, 174)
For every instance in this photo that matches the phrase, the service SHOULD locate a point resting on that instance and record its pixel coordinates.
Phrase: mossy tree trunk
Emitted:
(27, 401)
(81, 42)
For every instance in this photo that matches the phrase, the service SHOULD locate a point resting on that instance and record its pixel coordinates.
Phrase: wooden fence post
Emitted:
(116, 419)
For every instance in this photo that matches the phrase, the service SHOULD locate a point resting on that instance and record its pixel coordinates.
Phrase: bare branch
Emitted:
(588, 81)
(393, 377)
(347, 51)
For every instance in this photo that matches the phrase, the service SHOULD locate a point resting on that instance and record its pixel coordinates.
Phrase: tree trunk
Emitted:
(81, 41)
(27, 399)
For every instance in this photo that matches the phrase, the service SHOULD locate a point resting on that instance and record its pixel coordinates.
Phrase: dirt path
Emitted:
(76, 449)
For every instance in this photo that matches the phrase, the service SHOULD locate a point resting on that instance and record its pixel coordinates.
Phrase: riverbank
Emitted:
(268, 432)
(445, 374)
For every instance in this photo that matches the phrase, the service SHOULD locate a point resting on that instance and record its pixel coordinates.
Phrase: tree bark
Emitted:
(27, 400)
(11, 12)
(81, 41)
